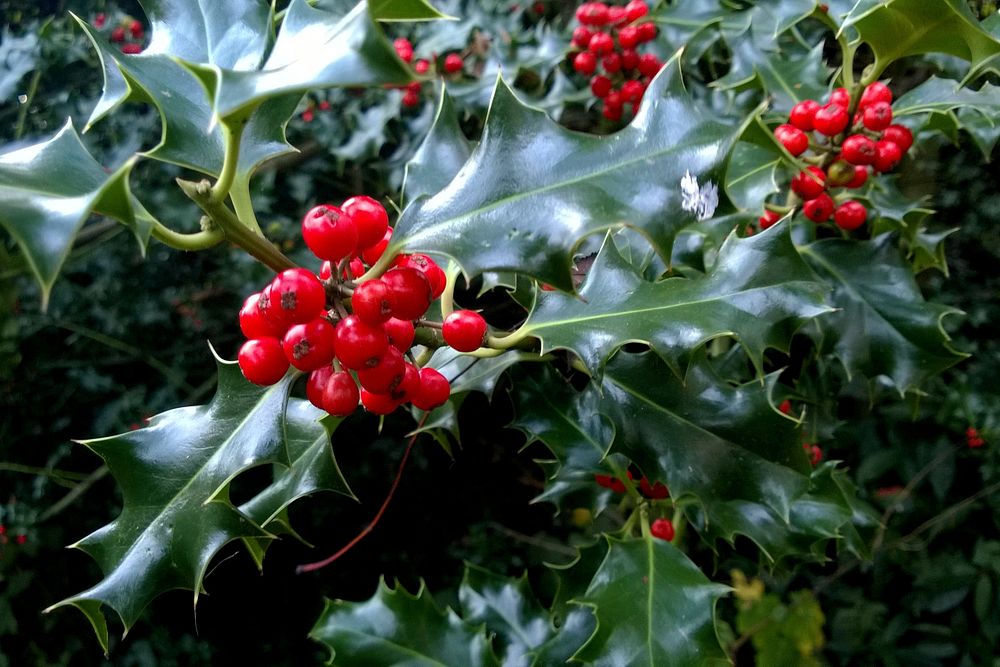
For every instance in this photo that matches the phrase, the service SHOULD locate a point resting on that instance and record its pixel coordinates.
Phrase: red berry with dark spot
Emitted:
(316, 383)
(810, 183)
(874, 93)
(585, 62)
(768, 219)
(464, 330)
(253, 323)
(819, 209)
(850, 215)
(435, 274)
(369, 217)
(408, 385)
(378, 404)
(878, 116)
(329, 232)
(359, 344)
(341, 395)
(802, 115)
(630, 59)
(385, 374)
(899, 135)
(600, 44)
(434, 390)
(662, 529)
(409, 292)
(262, 361)
(830, 119)
(401, 333)
(581, 37)
(887, 156)
(309, 346)
(298, 296)
(792, 138)
(372, 302)
(611, 62)
(858, 150)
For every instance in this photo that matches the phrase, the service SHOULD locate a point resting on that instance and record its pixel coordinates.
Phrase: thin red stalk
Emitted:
(312, 567)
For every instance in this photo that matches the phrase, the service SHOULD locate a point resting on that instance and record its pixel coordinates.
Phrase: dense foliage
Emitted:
(765, 427)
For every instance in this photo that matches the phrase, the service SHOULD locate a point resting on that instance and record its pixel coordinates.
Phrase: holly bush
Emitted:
(679, 253)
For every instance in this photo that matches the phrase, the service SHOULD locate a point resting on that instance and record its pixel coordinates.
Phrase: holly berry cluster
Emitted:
(812, 450)
(845, 151)
(973, 439)
(129, 32)
(20, 538)
(606, 43)
(453, 65)
(345, 333)
(653, 491)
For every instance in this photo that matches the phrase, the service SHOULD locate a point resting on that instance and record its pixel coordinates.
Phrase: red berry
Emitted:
(98, 23)
(830, 119)
(453, 63)
(253, 323)
(324, 105)
(340, 395)
(421, 66)
(385, 374)
(434, 390)
(600, 44)
(860, 177)
(464, 330)
(410, 99)
(408, 385)
(378, 404)
(21, 539)
(136, 29)
(768, 219)
(842, 97)
(585, 62)
(646, 32)
(309, 346)
(427, 266)
(409, 292)
(878, 116)
(404, 49)
(118, 35)
(649, 64)
(316, 383)
(133, 49)
(359, 344)
(329, 232)
(874, 93)
(819, 209)
(298, 296)
(792, 138)
(662, 529)
(401, 333)
(628, 37)
(617, 16)
(632, 91)
(611, 62)
(612, 112)
(369, 217)
(802, 115)
(581, 37)
(262, 361)
(630, 59)
(413, 88)
(810, 183)
(786, 407)
(636, 10)
(372, 302)
(372, 253)
(271, 311)
(814, 452)
(887, 155)
(899, 135)
(592, 13)
(657, 491)
(858, 150)
(850, 215)
(600, 86)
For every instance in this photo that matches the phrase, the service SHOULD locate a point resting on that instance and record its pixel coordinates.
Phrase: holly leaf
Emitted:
(752, 176)
(790, 79)
(47, 190)
(404, 10)
(312, 469)
(172, 525)
(508, 608)
(883, 326)
(531, 190)
(440, 156)
(396, 628)
(759, 291)
(654, 607)
(929, 26)
(938, 95)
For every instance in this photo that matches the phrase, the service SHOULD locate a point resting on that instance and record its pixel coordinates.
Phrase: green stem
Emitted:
(647, 534)
(239, 194)
(195, 241)
(22, 112)
(255, 244)
(448, 296)
(232, 136)
(380, 267)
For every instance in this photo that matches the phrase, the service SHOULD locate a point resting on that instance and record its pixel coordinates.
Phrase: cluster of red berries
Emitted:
(309, 114)
(129, 33)
(345, 333)
(814, 451)
(20, 538)
(606, 40)
(453, 65)
(653, 491)
(846, 150)
(973, 439)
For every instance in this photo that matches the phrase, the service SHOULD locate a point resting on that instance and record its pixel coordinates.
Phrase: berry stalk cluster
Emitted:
(606, 43)
(453, 66)
(843, 151)
(345, 333)
(128, 33)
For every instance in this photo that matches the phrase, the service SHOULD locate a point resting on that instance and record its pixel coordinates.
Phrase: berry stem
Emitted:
(312, 567)
(232, 135)
(202, 240)
(448, 295)
(647, 534)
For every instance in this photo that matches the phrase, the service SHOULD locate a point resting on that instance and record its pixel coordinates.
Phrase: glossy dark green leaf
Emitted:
(884, 326)
(508, 608)
(752, 176)
(440, 156)
(790, 78)
(929, 26)
(354, 51)
(532, 189)
(173, 523)
(46, 193)
(937, 94)
(404, 10)
(396, 628)
(654, 608)
(759, 291)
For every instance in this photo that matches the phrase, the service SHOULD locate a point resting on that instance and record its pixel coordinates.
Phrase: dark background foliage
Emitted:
(126, 337)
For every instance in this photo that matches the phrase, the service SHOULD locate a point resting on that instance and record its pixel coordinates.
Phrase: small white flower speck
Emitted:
(701, 201)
